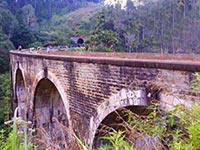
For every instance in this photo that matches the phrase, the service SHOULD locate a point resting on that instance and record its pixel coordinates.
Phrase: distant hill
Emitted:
(75, 23)
(75, 19)
(47, 8)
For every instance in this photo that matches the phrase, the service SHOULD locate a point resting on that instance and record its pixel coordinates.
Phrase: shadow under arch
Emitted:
(49, 113)
(20, 95)
(48, 104)
(116, 120)
(48, 92)
(52, 78)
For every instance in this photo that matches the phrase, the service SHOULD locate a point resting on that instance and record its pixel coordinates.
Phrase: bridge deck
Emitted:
(187, 62)
(157, 56)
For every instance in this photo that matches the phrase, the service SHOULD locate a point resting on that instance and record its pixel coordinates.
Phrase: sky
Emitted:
(122, 2)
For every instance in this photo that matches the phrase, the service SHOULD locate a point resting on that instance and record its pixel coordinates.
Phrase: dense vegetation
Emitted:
(157, 130)
(158, 26)
(4, 99)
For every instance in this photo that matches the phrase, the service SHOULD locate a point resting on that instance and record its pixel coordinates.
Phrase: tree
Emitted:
(5, 46)
(5, 107)
(23, 35)
(26, 16)
(102, 36)
(7, 21)
(25, 32)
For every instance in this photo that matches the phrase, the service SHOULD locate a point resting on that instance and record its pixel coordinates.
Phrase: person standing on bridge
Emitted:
(19, 47)
(48, 49)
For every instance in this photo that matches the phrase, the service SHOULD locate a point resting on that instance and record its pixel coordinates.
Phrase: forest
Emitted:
(163, 26)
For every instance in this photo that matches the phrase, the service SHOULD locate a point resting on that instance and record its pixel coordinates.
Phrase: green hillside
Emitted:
(78, 22)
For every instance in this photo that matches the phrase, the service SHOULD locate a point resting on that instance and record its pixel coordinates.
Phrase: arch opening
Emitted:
(50, 114)
(115, 120)
(130, 98)
(21, 95)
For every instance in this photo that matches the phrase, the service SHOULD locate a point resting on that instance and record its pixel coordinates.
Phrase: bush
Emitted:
(15, 139)
(5, 103)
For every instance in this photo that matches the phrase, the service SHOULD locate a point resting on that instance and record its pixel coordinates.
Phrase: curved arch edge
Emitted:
(123, 98)
(14, 75)
(14, 104)
(58, 85)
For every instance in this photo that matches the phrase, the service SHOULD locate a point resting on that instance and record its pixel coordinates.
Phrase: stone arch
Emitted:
(115, 120)
(50, 76)
(49, 111)
(124, 98)
(20, 99)
(14, 74)
(55, 118)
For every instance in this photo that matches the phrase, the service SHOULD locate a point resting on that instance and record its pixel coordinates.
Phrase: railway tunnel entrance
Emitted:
(50, 117)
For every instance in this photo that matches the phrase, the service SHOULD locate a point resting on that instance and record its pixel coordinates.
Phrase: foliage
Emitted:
(187, 137)
(106, 38)
(102, 36)
(178, 129)
(5, 45)
(6, 26)
(16, 141)
(170, 26)
(157, 130)
(81, 143)
(117, 140)
(196, 82)
(23, 35)
(5, 107)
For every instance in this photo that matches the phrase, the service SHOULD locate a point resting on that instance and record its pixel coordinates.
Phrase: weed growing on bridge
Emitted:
(187, 137)
(55, 137)
(196, 82)
(157, 130)
(117, 141)
(139, 131)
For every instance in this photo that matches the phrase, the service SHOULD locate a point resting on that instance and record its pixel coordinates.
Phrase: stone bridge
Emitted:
(79, 90)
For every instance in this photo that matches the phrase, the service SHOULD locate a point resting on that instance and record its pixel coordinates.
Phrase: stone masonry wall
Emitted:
(91, 88)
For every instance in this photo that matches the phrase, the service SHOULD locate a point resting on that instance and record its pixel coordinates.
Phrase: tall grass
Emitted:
(156, 131)
(17, 138)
